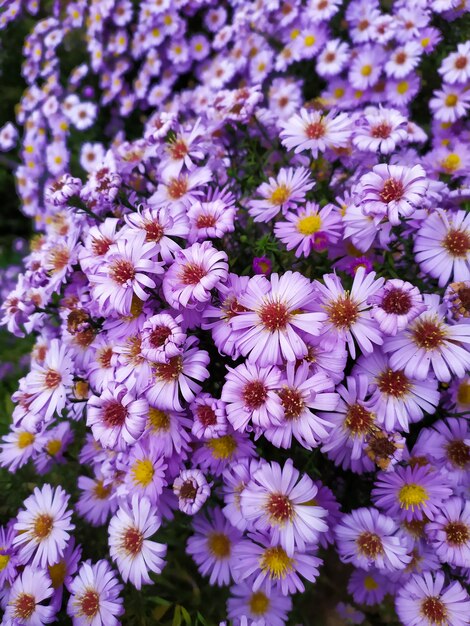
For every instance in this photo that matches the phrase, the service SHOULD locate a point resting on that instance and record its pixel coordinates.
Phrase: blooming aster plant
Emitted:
(247, 303)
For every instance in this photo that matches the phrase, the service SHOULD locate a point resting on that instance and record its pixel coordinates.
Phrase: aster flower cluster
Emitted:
(249, 297)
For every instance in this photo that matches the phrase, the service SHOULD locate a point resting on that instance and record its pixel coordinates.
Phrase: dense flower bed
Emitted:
(249, 294)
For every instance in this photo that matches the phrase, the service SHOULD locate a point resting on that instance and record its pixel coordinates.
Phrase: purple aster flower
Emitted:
(192, 490)
(270, 569)
(145, 471)
(312, 130)
(116, 418)
(442, 246)
(449, 533)
(369, 539)
(103, 183)
(43, 527)
(61, 190)
(429, 342)
(349, 613)
(25, 599)
(396, 399)
(123, 273)
(411, 493)
(94, 596)
(279, 501)
(97, 500)
(348, 312)
(209, 417)
(281, 194)
(235, 479)
(310, 228)
(18, 447)
(299, 392)
(425, 601)
(212, 218)
(262, 265)
(162, 338)
(61, 573)
(457, 299)
(135, 555)
(276, 311)
(396, 305)
(261, 609)
(195, 271)
(250, 393)
(380, 130)
(8, 556)
(219, 452)
(393, 190)
(212, 546)
(180, 374)
(368, 586)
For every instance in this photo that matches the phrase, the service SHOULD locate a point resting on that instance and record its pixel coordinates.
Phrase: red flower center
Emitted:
(292, 402)
(343, 312)
(457, 533)
(114, 414)
(458, 453)
(457, 243)
(254, 394)
(434, 610)
(52, 379)
(104, 357)
(206, 415)
(25, 605)
(274, 316)
(280, 508)
(392, 383)
(178, 150)
(428, 334)
(100, 246)
(396, 302)
(392, 190)
(461, 63)
(315, 130)
(358, 419)
(400, 58)
(89, 603)
(369, 544)
(188, 491)
(159, 335)
(122, 271)
(169, 371)
(154, 231)
(381, 131)
(177, 188)
(132, 541)
(59, 259)
(191, 274)
(232, 307)
(205, 221)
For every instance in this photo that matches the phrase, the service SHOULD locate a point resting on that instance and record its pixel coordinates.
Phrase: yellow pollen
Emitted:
(366, 70)
(223, 447)
(309, 40)
(276, 562)
(338, 92)
(358, 94)
(4, 560)
(451, 100)
(412, 495)
(53, 446)
(155, 32)
(425, 42)
(294, 33)
(219, 545)
(309, 225)
(101, 492)
(463, 393)
(451, 162)
(57, 573)
(25, 440)
(403, 87)
(370, 584)
(280, 195)
(259, 603)
(198, 47)
(158, 420)
(143, 472)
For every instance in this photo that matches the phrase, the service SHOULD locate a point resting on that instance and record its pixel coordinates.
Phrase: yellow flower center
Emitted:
(219, 545)
(402, 87)
(4, 560)
(463, 393)
(223, 447)
(451, 162)
(295, 33)
(276, 562)
(370, 584)
(366, 70)
(259, 603)
(158, 420)
(143, 472)
(53, 446)
(425, 42)
(25, 440)
(57, 573)
(338, 92)
(101, 492)
(309, 225)
(451, 100)
(309, 40)
(280, 195)
(412, 495)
